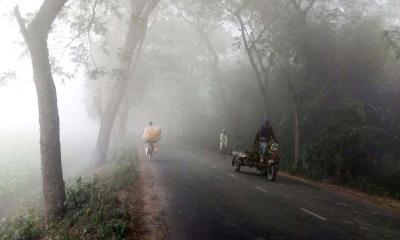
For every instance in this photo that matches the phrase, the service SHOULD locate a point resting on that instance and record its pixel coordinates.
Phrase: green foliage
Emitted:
(24, 227)
(92, 211)
(338, 148)
(348, 151)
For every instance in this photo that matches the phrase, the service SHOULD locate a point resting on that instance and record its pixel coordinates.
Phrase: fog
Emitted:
(322, 74)
(19, 121)
(18, 100)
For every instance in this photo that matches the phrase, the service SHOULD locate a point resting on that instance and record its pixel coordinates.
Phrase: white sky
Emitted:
(18, 103)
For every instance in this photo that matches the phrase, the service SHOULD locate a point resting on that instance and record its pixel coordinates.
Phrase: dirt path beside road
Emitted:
(144, 208)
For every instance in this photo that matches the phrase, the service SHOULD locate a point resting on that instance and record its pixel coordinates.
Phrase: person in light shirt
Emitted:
(223, 141)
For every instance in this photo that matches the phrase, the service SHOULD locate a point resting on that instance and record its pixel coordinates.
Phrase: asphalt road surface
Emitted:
(202, 197)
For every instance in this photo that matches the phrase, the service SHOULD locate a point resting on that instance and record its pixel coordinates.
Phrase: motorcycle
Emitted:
(268, 165)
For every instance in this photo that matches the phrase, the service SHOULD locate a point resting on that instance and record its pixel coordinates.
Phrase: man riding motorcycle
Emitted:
(263, 138)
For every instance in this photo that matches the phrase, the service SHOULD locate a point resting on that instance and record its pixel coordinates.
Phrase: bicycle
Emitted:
(148, 149)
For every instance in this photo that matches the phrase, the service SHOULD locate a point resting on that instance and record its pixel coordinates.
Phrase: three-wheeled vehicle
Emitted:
(268, 165)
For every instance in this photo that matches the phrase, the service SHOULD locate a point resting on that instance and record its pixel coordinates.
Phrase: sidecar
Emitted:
(267, 166)
(248, 159)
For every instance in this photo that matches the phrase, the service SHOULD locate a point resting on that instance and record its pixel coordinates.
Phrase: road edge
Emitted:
(388, 203)
(145, 207)
(357, 195)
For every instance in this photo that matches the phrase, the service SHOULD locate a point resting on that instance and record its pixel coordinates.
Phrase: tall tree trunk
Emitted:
(141, 9)
(36, 38)
(123, 120)
(297, 136)
(298, 119)
(107, 121)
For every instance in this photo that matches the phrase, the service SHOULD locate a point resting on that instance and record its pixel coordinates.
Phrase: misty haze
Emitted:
(197, 120)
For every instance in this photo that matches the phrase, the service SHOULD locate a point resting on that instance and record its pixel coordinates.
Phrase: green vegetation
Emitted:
(92, 211)
(352, 152)
(18, 165)
(23, 227)
(20, 183)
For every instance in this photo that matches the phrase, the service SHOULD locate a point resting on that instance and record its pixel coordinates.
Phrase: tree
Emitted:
(297, 53)
(35, 35)
(253, 25)
(275, 35)
(140, 12)
(206, 18)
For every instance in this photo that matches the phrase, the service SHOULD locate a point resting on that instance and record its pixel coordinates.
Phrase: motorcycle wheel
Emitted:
(271, 172)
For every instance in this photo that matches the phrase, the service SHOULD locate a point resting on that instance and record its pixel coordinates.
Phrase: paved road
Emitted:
(203, 198)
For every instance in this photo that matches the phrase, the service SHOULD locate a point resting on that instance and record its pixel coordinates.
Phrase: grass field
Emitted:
(20, 167)
(19, 163)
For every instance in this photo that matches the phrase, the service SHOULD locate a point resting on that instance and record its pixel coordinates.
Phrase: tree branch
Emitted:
(150, 7)
(46, 16)
(310, 5)
(21, 23)
(259, 36)
(296, 5)
(87, 30)
(203, 34)
(248, 51)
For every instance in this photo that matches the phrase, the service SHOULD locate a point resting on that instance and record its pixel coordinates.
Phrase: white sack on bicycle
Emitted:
(152, 134)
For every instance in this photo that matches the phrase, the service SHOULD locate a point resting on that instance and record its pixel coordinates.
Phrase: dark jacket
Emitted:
(265, 134)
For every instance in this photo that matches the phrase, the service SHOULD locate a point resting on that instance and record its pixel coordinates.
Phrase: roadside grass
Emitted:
(360, 184)
(22, 227)
(92, 209)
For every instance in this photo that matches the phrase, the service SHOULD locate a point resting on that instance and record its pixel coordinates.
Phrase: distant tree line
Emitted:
(326, 74)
